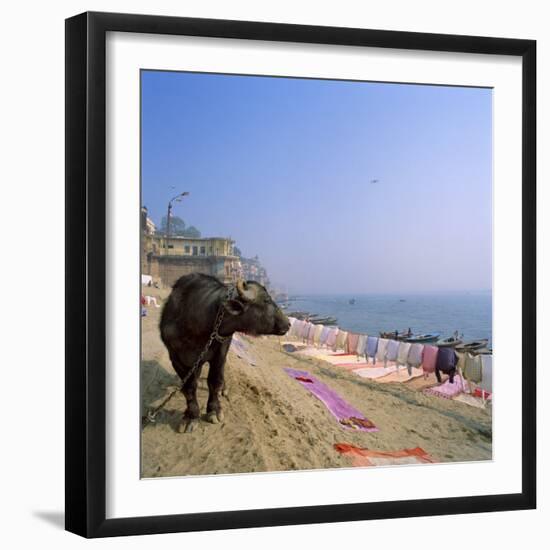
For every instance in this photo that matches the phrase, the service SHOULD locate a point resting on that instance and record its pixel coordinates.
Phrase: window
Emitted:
(187, 249)
(195, 251)
(203, 250)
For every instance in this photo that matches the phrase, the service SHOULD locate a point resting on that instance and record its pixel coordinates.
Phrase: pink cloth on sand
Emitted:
(447, 390)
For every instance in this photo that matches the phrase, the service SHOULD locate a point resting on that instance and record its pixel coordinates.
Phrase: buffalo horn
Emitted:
(244, 291)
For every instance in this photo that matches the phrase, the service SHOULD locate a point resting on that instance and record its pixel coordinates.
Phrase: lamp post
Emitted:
(177, 198)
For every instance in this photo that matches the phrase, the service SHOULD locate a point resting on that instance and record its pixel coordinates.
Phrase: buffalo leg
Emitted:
(216, 385)
(192, 412)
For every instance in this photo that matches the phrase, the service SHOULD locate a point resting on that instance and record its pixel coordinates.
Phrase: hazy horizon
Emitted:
(285, 167)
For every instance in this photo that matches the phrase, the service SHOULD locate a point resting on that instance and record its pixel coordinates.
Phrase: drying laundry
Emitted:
(331, 338)
(446, 362)
(392, 350)
(472, 368)
(382, 348)
(372, 346)
(403, 353)
(362, 344)
(340, 340)
(415, 355)
(486, 383)
(353, 339)
(317, 334)
(324, 335)
(429, 359)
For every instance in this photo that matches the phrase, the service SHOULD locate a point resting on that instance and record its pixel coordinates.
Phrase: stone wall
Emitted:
(170, 268)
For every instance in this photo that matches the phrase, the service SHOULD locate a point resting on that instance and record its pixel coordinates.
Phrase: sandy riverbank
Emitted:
(272, 423)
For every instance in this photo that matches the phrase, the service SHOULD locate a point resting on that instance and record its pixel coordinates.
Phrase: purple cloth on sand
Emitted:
(333, 402)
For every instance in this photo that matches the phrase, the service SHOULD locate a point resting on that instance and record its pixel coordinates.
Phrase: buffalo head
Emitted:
(253, 311)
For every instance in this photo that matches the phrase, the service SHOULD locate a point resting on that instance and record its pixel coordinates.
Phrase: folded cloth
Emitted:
(367, 457)
(353, 339)
(415, 355)
(486, 383)
(331, 338)
(375, 372)
(317, 334)
(382, 349)
(403, 353)
(362, 344)
(391, 352)
(446, 362)
(448, 389)
(472, 368)
(324, 336)
(429, 358)
(348, 417)
(340, 340)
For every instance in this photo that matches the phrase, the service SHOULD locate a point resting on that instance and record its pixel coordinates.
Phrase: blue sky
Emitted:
(285, 167)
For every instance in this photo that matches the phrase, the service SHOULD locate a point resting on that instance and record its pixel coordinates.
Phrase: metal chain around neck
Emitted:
(214, 335)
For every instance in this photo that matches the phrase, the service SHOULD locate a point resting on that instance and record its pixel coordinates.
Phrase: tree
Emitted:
(177, 226)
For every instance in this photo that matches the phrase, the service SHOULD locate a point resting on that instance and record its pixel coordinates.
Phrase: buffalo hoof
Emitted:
(188, 425)
(214, 417)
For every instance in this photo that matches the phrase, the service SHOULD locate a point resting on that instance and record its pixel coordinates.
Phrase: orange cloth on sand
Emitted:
(366, 457)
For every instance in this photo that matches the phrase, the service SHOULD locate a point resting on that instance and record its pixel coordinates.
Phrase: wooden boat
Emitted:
(392, 336)
(473, 346)
(325, 321)
(422, 338)
(450, 342)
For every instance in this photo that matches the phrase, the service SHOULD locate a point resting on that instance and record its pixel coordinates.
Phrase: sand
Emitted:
(273, 424)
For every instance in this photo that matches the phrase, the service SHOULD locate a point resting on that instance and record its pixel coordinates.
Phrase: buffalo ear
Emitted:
(234, 307)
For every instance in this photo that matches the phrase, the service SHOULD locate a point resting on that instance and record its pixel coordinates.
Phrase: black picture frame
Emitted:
(86, 273)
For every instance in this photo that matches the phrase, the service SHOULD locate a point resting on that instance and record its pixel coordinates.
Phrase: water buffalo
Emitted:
(188, 319)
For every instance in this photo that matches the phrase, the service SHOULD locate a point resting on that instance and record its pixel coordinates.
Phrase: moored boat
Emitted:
(475, 345)
(422, 338)
(396, 335)
(325, 321)
(450, 342)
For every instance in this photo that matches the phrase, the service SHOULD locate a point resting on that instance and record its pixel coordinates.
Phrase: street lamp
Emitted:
(177, 198)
